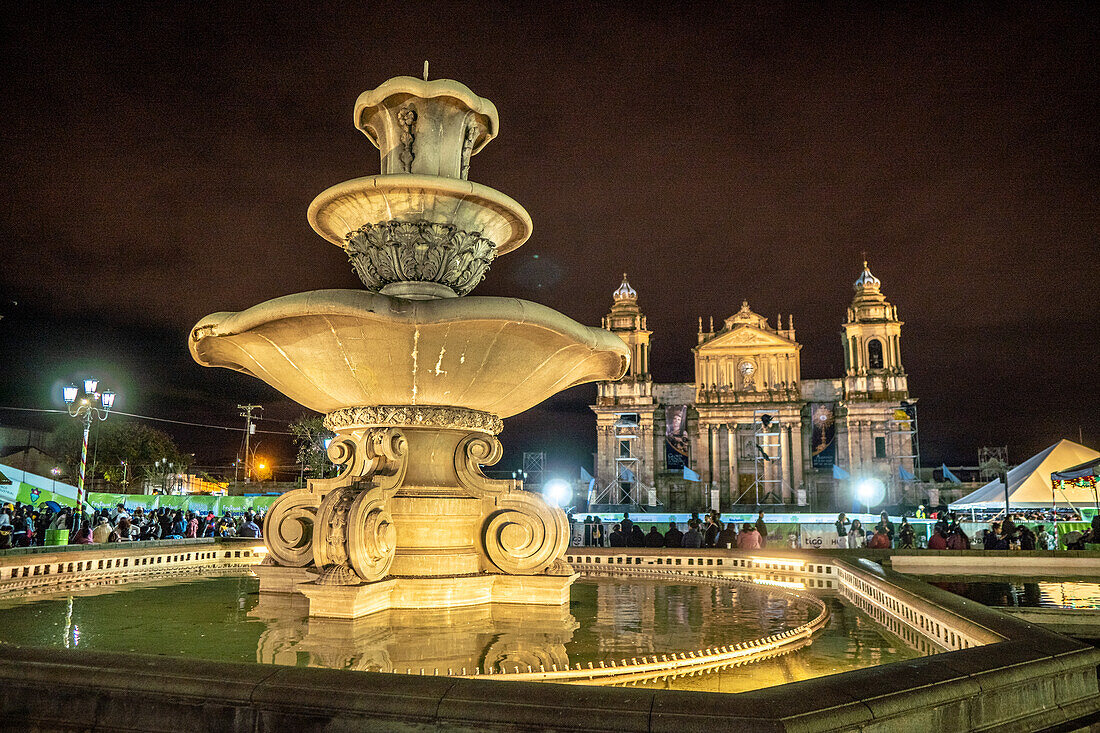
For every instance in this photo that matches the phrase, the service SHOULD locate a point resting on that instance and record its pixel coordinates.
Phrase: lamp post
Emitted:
(87, 406)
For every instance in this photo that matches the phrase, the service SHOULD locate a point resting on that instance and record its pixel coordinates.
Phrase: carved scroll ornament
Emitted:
(342, 525)
(525, 535)
(474, 452)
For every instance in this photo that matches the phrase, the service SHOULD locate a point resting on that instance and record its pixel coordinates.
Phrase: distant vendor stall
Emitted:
(1078, 480)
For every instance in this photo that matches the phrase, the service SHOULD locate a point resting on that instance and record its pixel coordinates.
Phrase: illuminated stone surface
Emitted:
(414, 380)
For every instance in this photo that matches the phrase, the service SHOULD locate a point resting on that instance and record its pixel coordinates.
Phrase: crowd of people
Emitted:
(710, 531)
(947, 533)
(26, 526)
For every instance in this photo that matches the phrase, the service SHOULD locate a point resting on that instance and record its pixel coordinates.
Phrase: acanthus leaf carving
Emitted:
(420, 251)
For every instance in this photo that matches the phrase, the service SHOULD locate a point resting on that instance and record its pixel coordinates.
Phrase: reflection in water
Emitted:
(1024, 592)
(607, 619)
(495, 637)
(851, 640)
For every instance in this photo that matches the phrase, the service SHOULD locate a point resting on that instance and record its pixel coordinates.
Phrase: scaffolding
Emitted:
(903, 445)
(534, 465)
(625, 489)
(990, 459)
(768, 459)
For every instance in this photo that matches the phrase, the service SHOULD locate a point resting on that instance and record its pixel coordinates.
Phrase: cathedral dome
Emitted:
(866, 280)
(625, 292)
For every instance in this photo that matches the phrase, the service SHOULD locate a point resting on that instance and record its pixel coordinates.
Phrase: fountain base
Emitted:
(394, 593)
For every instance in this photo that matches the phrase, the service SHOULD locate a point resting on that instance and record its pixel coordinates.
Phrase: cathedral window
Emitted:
(880, 447)
(874, 354)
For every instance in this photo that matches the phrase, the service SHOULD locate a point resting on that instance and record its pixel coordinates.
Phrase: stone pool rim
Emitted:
(1032, 680)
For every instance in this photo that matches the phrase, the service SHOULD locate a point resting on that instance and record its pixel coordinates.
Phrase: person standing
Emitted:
(906, 535)
(763, 530)
(727, 538)
(842, 531)
(693, 538)
(674, 537)
(710, 539)
(886, 526)
(856, 535)
(749, 539)
(597, 532)
(617, 537)
(654, 538)
(626, 524)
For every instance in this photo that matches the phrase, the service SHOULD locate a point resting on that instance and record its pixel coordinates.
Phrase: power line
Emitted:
(156, 419)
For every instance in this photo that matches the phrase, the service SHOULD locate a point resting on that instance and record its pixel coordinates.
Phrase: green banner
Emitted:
(17, 491)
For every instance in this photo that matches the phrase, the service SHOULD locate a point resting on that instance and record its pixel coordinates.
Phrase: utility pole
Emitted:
(249, 429)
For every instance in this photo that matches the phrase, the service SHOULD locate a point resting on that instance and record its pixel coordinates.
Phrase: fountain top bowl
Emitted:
(395, 91)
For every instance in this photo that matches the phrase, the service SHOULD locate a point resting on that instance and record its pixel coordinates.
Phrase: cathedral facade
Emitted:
(749, 429)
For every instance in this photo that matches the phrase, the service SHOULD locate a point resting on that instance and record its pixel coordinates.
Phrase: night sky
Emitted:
(157, 163)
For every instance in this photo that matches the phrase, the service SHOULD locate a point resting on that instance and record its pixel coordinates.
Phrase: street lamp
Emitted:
(92, 405)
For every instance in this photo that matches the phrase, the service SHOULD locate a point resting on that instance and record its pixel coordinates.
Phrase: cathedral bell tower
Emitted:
(626, 432)
(627, 322)
(872, 344)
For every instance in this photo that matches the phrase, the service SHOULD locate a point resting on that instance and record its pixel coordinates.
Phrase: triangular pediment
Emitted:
(747, 336)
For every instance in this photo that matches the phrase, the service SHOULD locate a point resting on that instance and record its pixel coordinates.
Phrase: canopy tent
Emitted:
(1029, 484)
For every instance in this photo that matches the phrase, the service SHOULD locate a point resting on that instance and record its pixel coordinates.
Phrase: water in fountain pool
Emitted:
(223, 618)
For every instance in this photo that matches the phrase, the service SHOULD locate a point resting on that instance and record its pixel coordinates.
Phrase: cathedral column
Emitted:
(716, 465)
(784, 463)
(797, 465)
(731, 440)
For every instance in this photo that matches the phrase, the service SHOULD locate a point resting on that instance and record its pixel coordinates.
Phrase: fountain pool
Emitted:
(224, 618)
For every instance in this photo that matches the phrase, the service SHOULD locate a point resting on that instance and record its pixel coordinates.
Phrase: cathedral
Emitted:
(750, 430)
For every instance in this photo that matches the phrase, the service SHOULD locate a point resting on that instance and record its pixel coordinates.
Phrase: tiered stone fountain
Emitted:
(415, 379)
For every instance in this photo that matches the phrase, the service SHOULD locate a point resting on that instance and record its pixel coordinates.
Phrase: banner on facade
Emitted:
(823, 441)
(676, 437)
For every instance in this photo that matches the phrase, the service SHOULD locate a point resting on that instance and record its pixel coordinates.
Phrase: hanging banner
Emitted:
(823, 441)
(676, 437)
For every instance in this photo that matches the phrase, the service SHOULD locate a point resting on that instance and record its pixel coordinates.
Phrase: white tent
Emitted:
(1029, 485)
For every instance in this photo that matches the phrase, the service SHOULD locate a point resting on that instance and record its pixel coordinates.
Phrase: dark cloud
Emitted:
(157, 163)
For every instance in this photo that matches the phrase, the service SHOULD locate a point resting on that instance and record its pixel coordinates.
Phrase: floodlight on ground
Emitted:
(870, 492)
(557, 492)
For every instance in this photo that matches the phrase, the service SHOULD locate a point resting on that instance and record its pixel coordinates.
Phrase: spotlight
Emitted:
(557, 492)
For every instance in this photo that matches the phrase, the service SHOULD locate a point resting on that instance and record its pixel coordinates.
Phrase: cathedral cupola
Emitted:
(625, 292)
(867, 281)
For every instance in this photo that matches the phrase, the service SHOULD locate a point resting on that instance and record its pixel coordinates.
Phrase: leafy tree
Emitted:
(109, 444)
(310, 435)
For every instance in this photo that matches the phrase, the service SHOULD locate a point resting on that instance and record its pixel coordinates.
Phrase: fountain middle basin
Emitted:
(335, 349)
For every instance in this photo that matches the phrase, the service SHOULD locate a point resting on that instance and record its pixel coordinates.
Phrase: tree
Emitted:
(310, 435)
(110, 443)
